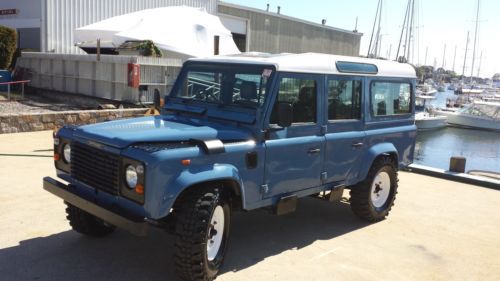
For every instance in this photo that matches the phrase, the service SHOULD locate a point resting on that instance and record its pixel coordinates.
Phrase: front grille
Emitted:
(95, 167)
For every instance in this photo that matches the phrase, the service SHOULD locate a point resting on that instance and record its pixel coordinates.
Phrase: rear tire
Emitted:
(373, 198)
(202, 231)
(87, 224)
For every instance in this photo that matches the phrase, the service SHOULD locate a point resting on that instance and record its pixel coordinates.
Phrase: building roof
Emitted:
(287, 17)
(315, 63)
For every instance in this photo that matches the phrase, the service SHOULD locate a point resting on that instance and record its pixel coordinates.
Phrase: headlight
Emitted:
(131, 174)
(67, 153)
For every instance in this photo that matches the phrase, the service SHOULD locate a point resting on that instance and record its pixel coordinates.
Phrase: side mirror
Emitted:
(285, 114)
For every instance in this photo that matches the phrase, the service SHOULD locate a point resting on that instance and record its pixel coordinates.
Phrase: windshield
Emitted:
(242, 86)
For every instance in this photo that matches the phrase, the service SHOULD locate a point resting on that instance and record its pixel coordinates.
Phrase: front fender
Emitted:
(194, 176)
(374, 152)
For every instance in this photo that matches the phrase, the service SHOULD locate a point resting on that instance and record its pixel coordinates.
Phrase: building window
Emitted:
(344, 99)
(390, 98)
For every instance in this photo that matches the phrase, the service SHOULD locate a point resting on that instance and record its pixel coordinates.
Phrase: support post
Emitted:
(216, 45)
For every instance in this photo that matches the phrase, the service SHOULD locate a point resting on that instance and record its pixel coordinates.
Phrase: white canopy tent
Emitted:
(186, 31)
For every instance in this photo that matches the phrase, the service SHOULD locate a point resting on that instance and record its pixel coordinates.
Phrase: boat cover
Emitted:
(185, 30)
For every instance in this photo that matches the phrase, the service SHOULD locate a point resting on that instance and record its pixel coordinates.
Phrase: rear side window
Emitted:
(344, 99)
(390, 98)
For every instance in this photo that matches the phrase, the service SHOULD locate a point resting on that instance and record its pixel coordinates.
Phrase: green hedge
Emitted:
(8, 42)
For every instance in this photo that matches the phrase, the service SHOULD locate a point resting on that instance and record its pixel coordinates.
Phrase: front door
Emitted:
(294, 155)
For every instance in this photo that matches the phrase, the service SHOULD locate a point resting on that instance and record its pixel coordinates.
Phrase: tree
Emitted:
(8, 42)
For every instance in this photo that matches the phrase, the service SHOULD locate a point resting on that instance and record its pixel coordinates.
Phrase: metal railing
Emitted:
(22, 82)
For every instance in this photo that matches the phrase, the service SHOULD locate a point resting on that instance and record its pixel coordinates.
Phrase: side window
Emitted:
(301, 95)
(344, 99)
(390, 98)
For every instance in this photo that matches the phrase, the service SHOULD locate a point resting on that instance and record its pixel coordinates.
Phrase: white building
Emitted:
(48, 25)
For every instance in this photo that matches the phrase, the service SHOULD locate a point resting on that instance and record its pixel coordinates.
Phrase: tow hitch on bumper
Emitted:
(135, 226)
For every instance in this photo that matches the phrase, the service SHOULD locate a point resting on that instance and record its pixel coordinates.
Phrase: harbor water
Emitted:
(434, 148)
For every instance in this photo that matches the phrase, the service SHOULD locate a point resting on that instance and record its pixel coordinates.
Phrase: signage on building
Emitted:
(5, 12)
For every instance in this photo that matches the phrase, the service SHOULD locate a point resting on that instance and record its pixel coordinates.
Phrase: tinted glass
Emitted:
(246, 88)
(353, 67)
(301, 95)
(344, 99)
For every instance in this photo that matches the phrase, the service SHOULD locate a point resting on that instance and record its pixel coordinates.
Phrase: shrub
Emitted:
(149, 49)
(8, 42)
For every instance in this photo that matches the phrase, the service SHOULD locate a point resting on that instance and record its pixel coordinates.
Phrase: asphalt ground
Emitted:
(437, 230)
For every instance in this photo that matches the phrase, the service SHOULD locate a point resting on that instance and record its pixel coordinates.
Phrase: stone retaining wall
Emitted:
(27, 122)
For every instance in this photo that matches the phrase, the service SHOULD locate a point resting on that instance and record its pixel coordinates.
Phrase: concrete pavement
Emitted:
(437, 230)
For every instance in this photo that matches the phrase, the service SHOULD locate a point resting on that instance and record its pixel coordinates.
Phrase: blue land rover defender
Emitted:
(240, 133)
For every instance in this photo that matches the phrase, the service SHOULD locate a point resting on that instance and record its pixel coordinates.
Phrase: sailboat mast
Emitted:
(410, 28)
(475, 41)
(465, 56)
(403, 29)
(454, 58)
(479, 66)
(373, 29)
(444, 56)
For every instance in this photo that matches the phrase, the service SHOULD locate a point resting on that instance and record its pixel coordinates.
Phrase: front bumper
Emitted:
(136, 226)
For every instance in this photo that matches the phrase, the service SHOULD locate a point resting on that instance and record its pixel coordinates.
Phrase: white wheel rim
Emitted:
(381, 187)
(215, 233)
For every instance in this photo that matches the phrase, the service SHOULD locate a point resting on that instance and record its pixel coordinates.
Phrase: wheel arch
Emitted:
(376, 152)
(225, 175)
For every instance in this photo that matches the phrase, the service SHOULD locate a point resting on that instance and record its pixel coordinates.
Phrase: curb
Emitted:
(458, 177)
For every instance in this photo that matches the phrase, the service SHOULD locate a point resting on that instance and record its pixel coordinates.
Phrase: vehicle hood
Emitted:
(122, 133)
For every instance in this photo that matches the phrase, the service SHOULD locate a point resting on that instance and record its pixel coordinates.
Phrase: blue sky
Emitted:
(439, 22)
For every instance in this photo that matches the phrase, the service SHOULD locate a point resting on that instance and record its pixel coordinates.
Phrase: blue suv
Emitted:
(241, 133)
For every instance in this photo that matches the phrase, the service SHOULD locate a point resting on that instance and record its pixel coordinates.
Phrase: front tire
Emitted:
(202, 229)
(373, 198)
(87, 224)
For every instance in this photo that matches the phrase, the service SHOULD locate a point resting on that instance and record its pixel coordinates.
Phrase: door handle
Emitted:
(313, 150)
(357, 144)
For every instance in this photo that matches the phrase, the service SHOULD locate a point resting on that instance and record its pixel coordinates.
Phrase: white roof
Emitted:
(316, 63)
(180, 29)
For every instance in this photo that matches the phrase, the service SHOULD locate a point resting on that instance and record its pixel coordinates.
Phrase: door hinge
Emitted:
(324, 129)
(264, 189)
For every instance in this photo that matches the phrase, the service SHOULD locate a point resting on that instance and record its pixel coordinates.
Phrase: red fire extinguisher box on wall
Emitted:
(134, 75)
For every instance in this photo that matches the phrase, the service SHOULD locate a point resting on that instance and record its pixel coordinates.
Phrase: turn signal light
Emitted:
(56, 157)
(139, 189)
(186, 162)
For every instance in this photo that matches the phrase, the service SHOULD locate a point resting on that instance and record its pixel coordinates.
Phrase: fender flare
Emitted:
(371, 154)
(189, 178)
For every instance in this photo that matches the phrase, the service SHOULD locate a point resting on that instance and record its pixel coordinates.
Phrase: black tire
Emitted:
(85, 223)
(194, 230)
(361, 200)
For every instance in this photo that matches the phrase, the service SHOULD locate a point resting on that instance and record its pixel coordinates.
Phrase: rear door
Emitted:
(345, 136)
(294, 155)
